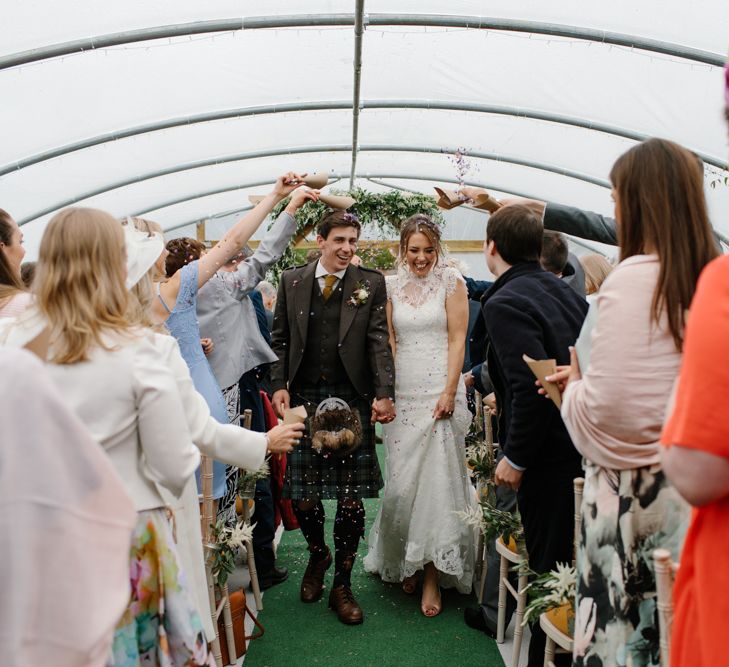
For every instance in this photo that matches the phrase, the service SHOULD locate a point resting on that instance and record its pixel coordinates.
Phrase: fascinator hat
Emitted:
(143, 250)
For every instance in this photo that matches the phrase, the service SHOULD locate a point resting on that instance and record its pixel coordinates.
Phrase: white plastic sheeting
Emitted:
(208, 165)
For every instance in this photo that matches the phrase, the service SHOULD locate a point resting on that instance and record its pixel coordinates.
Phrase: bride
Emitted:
(416, 528)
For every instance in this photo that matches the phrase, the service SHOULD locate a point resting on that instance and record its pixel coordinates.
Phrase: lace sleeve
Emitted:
(452, 278)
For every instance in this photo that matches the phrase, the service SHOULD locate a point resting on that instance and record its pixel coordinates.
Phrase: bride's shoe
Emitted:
(410, 584)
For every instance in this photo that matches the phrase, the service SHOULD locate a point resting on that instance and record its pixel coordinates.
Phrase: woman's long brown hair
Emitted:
(10, 282)
(420, 223)
(661, 208)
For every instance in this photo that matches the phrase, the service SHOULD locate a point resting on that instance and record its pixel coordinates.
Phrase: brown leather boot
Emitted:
(342, 600)
(312, 585)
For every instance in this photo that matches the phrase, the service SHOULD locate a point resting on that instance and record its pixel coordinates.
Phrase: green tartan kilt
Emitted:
(313, 476)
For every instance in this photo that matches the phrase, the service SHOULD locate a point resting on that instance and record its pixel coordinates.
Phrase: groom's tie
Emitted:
(329, 281)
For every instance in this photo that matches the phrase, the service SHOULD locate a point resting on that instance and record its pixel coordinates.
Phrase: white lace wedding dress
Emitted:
(427, 482)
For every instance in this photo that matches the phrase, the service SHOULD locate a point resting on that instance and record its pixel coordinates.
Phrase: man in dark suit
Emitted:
(570, 220)
(530, 311)
(331, 338)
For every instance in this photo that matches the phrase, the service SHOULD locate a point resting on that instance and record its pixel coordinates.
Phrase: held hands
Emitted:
(468, 379)
(564, 375)
(286, 184)
(383, 410)
(445, 406)
(507, 475)
(281, 401)
(284, 437)
(300, 197)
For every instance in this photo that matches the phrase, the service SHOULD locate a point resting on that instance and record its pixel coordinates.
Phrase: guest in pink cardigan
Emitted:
(615, 411)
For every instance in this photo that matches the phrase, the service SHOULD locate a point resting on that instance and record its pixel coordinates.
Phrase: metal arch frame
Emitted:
(337, 177)
(574, 239)
(339, 105)
(310, 149)
(200, 195)
(348, 19)
(374, 179)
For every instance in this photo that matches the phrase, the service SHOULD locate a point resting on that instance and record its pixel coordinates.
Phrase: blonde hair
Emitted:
(80, 278)
(597, 268)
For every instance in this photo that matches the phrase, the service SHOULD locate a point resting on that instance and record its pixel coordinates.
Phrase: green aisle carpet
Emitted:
(394, 632)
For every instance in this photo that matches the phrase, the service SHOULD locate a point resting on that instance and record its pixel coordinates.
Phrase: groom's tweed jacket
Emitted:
(359, 333)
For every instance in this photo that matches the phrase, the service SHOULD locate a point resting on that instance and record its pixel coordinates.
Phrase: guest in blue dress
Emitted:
(187, 271)
(183, 325)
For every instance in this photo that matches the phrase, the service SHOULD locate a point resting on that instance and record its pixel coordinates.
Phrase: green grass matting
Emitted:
(394, 631)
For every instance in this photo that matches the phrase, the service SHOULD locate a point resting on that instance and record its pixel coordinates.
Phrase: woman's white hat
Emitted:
(143, 250)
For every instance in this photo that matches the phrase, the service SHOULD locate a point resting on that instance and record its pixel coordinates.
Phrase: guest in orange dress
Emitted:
(696, 460)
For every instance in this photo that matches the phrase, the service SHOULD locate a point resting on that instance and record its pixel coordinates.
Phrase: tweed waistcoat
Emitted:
(321, 362)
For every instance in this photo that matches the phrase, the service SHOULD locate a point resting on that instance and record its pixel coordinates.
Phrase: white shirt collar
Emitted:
(321, 271)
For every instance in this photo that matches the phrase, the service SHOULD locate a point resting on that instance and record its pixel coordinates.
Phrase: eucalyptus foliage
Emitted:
(380, 213)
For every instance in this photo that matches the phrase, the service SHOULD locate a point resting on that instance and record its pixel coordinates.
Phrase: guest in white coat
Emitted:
(224, 442)
(109, 372)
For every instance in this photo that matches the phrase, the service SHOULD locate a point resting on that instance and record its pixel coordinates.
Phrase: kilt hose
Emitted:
(313, 476)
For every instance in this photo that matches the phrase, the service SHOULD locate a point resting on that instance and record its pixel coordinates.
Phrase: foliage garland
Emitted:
(379, 212)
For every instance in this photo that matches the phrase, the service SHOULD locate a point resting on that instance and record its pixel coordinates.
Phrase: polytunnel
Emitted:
(179, 111)
(176, 409)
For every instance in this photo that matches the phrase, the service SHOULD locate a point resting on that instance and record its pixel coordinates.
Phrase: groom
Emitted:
(331, 339)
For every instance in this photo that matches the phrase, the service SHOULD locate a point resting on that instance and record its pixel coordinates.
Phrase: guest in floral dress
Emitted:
(616, 410)
(80, 324)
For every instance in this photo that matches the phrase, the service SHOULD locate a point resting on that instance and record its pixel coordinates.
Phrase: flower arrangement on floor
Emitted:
(225, 544)
(554, 592)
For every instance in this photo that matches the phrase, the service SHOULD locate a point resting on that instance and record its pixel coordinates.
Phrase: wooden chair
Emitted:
(250, 559)
(222, 606)
(665, 576)
(509, 556)
(216, 609)
(481, 547)
(547, 621)
(555, 637)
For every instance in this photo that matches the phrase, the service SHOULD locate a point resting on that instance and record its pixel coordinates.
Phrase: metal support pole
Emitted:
(358, 33)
